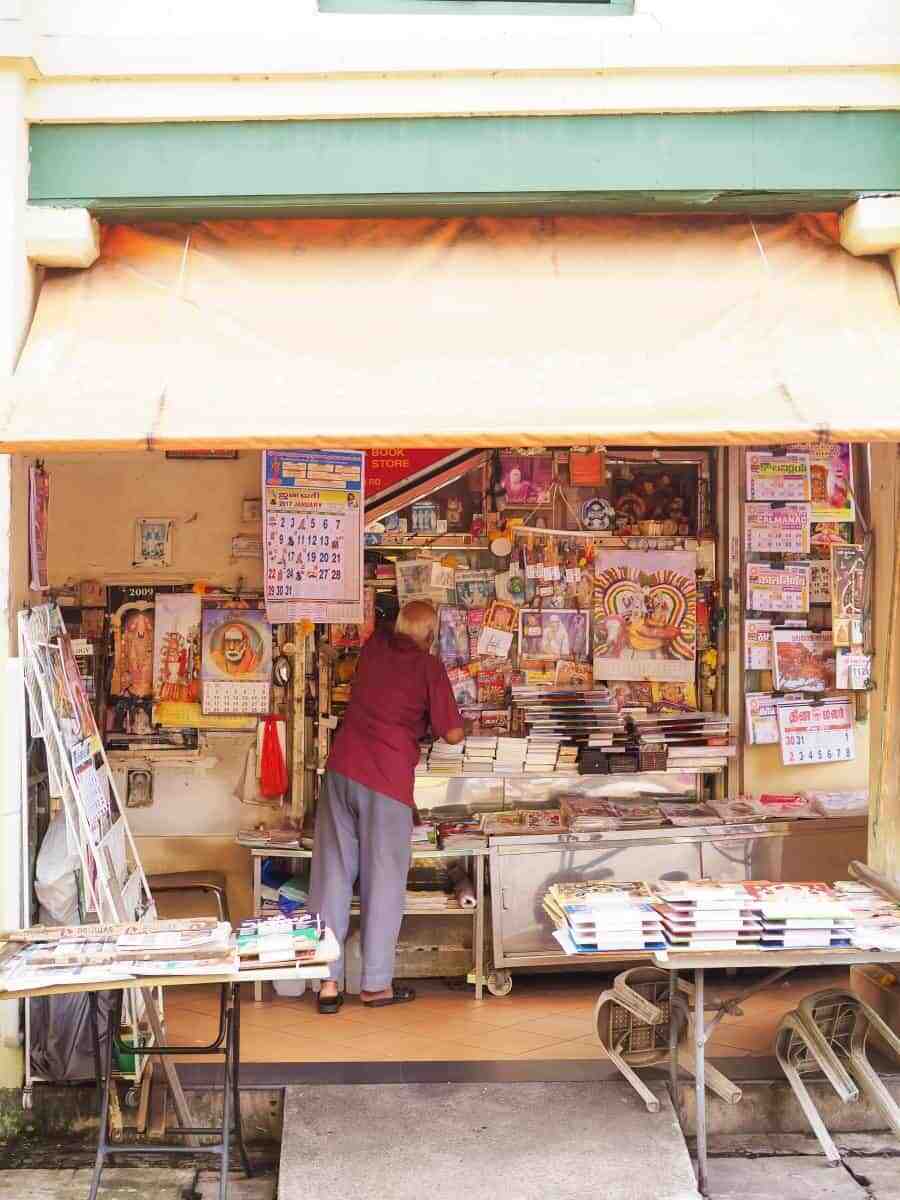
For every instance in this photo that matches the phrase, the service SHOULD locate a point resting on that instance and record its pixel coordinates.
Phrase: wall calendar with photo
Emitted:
(313, 527)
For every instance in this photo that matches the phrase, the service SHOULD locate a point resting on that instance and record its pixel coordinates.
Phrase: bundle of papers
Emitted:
(706, 915)
(279, 941)
(461, 834)
(599, 917)
(445, 759)
(694, 740)
(569, 713)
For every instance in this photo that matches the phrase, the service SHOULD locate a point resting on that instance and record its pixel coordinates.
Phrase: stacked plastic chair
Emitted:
(633, 1022)
(828, 1034)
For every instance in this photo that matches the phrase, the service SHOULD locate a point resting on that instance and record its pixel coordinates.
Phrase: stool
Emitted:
(827, 1034)
(210, 882)
(633, 1019)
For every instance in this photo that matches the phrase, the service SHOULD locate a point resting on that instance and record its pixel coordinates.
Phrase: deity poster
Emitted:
(132, 618)
(645, 615)
(803, 660)
(235, 660)
(848, 581)
(313, 526)
(176, 667)
(831, 480)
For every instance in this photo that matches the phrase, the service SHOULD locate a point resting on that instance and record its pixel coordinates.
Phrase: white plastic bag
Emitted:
(55, 884)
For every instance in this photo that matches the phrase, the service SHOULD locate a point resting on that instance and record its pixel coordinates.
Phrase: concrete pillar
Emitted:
(884, 772)
(17, 291)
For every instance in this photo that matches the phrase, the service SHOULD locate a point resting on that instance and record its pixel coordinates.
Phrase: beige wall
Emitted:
(94, 502)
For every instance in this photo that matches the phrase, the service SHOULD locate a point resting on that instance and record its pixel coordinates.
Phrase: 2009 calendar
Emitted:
(313, 524)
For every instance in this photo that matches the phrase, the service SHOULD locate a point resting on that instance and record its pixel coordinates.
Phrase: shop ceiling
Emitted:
(468, 332)
(756, 163)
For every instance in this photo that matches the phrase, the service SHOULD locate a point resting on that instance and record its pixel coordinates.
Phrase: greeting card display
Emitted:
(778, 589)
(816, 733)
(313, 502)
(848, 580)
(777, 476)
(803, 660)
(777, 528)
(645, 615)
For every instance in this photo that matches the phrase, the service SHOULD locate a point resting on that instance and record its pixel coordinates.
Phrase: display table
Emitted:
(778, 963)
(227, 1041)
(259, 851)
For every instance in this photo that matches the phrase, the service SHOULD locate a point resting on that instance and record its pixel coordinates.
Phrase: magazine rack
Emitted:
(827, 1034)
(639, 1022)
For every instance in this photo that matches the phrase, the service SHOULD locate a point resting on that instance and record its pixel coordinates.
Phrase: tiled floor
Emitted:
(545, 1017)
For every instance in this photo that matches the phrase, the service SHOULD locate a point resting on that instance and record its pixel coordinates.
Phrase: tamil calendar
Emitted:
(816, 733)
(313, 525)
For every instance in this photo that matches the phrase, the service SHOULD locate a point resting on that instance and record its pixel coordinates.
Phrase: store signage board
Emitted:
(385, 468)
(779, 529)
(816, 733)
(313, 504)
(778, 476)
(778, 589)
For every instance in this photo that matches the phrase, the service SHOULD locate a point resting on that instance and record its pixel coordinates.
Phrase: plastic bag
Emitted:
(55, 884)
(273, 777)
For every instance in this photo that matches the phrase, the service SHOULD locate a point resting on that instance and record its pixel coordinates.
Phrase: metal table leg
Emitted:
(236, 1079)
(113, 1020)
(674, 1013)
(479, 926)
(257, 906)
(700, 1078)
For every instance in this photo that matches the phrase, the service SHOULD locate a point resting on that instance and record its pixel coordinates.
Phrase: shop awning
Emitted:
(460, 332)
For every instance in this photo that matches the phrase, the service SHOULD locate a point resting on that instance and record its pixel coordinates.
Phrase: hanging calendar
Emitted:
(313, 527)
(813, 734)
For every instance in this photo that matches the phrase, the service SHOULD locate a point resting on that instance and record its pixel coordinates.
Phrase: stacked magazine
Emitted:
(570, 714)
(877, 917)
(801, 916)
(599, 917)
(693, 741)
(706, 915)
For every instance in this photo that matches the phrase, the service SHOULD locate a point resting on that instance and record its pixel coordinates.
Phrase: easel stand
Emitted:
(228, 1039)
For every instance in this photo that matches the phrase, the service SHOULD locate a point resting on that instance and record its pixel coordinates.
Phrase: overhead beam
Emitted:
(660, 162)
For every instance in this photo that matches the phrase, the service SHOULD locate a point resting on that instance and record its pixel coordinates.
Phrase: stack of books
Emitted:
(446, 759)
(584, 814)
(600, 917)
(571, 714)
(696, 741)
(480, 752)
(511, 753)
(706, 915)
(801, 916)
(567, 762)
(462, 834)
(422, 764)
(279, 941)
(541, 756)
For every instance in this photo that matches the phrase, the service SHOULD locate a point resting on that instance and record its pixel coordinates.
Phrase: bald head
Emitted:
(418, 620)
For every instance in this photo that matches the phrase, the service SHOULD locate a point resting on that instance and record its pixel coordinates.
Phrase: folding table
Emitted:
(778, 962)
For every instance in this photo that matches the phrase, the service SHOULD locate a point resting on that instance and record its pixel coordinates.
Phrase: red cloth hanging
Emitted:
(273, 776)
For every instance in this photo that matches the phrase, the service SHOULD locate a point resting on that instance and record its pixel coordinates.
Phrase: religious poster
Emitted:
(778, 476)
(831, 480)
(803, 660)
(848, 581)
(176, 666)
(758, 645)
(38, 517)
(825, 534)
(350, 635)
(235, 660)
(645, 615)
(820, 581)
(132, 617)
(777, 528)
(527, 479)
(816, 733)
(313, 526)
(453, 637)
(778, 589)
(551, 634)
(153, 542)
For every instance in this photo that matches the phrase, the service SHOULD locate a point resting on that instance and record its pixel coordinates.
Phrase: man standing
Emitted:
(366, 811)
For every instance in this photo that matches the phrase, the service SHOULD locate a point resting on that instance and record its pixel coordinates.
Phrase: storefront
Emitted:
(612, 482)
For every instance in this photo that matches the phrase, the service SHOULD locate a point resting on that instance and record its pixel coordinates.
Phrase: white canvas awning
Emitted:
(460, 332)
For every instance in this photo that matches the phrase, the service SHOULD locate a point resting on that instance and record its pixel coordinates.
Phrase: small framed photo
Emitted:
(550, 634)
(527, 479)
(139, 787)
(153, 542)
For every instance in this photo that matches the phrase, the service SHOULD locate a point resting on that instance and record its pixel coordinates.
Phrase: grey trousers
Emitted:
(361, 834)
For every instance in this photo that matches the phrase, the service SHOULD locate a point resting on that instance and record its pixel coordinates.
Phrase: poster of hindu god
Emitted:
(645, 615)
(236, 660)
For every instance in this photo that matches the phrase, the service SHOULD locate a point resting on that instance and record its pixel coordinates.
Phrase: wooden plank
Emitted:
(158, 1112)
(298, 725)
(144, 1101)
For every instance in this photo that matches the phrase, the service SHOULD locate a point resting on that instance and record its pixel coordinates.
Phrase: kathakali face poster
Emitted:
(645, 615)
